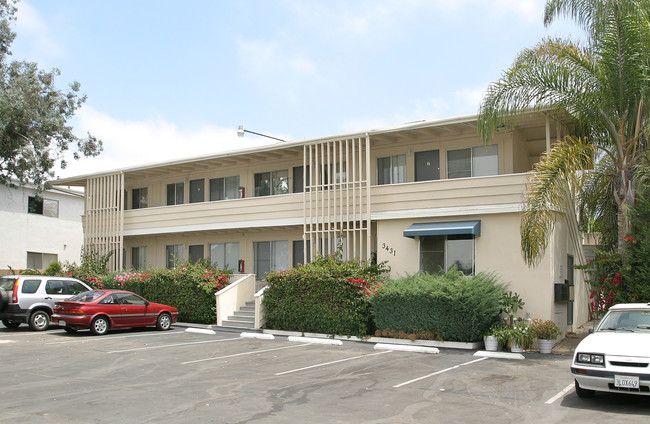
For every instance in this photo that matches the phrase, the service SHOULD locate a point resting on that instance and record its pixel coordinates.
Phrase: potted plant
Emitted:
(519, 337)
(494, 337)
(546, 332)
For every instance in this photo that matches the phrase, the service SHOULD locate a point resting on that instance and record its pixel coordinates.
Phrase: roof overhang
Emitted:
(443, 228)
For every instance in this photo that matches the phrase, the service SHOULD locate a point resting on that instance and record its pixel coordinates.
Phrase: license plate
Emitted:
(626, 381)
(62, 323)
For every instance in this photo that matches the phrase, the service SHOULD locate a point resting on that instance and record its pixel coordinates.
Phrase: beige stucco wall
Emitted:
(497, 250)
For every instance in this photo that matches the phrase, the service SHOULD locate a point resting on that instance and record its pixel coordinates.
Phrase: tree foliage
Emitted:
(34, 114)
(603, 84)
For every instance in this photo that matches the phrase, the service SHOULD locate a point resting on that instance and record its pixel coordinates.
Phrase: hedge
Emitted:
(325, 296)
(450, 305)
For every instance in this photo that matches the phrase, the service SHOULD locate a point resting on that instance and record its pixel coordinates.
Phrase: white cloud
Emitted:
(31, 25)
(132, 143)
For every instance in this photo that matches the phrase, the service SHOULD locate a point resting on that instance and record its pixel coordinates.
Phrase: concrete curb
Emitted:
(257, 336)
(315, 340)
(499, 355)
(199, 330)
(417, 349)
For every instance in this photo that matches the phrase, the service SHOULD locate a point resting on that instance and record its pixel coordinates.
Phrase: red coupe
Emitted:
(101, 310)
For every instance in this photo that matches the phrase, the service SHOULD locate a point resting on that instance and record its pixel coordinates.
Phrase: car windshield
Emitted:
(7, 283)
(626, 320)
(88, 296)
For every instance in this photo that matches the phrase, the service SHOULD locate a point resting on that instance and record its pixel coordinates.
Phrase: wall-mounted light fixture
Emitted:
(241, 131)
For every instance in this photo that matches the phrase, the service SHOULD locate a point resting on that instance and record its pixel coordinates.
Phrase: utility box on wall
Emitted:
(564, 292)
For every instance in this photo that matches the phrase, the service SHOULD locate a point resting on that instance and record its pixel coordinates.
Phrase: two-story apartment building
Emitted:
(38, 229)
(423, 196)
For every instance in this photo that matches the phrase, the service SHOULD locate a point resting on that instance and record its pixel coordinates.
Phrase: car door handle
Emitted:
(48, 298)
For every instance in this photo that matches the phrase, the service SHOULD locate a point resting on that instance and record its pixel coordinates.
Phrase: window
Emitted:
(175, 194)
(270, 255)
(54, 287)
(197, 188)
(427, 165)
(224, 188)
(475, 162)
(391, 170)
(30, 286)
(140, 198)
(38, 260)
(271, 183)
(299, 253)
(139, 257)
(225, 255)
(298, 182)
(442, 252)
(173, 254)
(45, 207)
(196, 253)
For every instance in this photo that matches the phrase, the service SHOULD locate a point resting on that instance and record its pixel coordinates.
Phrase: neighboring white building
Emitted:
(36, 232)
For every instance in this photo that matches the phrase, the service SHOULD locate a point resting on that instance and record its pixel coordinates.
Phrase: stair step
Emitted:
(244, 313)
(247, 309)
(241, 318)
(238, 324)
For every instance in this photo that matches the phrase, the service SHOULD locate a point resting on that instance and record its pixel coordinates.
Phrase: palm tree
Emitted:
(603, 84)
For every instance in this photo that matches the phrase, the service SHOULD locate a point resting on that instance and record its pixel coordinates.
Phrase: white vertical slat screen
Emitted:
(104, 218)
(337, 197)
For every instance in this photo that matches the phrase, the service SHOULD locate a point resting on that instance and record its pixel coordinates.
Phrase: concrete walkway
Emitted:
(568, 345)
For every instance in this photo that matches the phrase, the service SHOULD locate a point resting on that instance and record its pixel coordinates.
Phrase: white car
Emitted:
(616, 356)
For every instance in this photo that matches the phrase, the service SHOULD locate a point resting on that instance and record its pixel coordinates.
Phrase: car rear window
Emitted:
(7, 283)
(88, 296)
(29, 286)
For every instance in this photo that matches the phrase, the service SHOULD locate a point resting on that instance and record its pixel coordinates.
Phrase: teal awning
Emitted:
(443, 228)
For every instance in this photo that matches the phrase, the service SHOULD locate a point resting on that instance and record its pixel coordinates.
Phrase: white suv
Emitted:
(30, 298)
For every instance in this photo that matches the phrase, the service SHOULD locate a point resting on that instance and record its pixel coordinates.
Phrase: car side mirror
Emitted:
(591, 331)
(146, 303)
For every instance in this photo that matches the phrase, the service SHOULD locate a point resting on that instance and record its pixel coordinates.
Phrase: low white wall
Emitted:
(235, 295)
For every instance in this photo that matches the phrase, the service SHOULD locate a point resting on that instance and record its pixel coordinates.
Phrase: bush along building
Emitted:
(422, 196)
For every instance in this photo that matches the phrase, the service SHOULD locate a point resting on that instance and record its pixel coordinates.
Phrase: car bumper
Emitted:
(72, 320)
(602, 380)
(13, 313)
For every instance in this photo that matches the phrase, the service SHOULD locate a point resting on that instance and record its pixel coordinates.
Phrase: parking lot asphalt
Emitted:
(146, 376)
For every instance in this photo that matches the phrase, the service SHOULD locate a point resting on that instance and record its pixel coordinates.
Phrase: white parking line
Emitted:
(96, 338)
(244, 353)
(439, 372)
(561, 394)
(135, 349)
(332, 362)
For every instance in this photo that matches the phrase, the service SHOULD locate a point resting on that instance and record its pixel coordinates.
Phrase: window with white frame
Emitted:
(473, 162)
(270, 256)
(40, 206)
(39, 260)
(174, 254)
(140, 198)
(391, 170)
(225, 255)
(175, 193)
(224, 188)
(440, 253)
(139, 257)
(272, 183)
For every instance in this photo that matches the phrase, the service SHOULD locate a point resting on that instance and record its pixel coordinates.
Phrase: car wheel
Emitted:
(584, 393)
(10, 324)
(39, 321)
(164, 321)
(99, 326)
(70, 330)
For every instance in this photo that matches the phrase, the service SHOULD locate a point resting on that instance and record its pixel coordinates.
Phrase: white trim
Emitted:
(278, 222)
(448, 211)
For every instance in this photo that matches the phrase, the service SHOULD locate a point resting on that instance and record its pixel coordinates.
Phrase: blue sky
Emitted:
(169, 79)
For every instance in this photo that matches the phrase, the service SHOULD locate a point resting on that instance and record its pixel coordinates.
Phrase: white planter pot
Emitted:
(545, 346)
(491, 343)
(515, 348)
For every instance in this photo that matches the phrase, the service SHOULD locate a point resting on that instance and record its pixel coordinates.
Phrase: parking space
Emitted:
(177, 376)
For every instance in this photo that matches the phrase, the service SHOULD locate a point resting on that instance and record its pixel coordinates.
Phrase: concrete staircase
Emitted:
(243, 319)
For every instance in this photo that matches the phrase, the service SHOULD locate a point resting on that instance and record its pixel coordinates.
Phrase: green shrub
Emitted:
(325, 296)
(451, 305)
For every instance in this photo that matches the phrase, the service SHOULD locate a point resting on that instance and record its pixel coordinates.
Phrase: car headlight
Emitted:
(590, 358)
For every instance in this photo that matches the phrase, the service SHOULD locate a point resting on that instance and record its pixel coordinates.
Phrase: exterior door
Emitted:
(427, 165)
